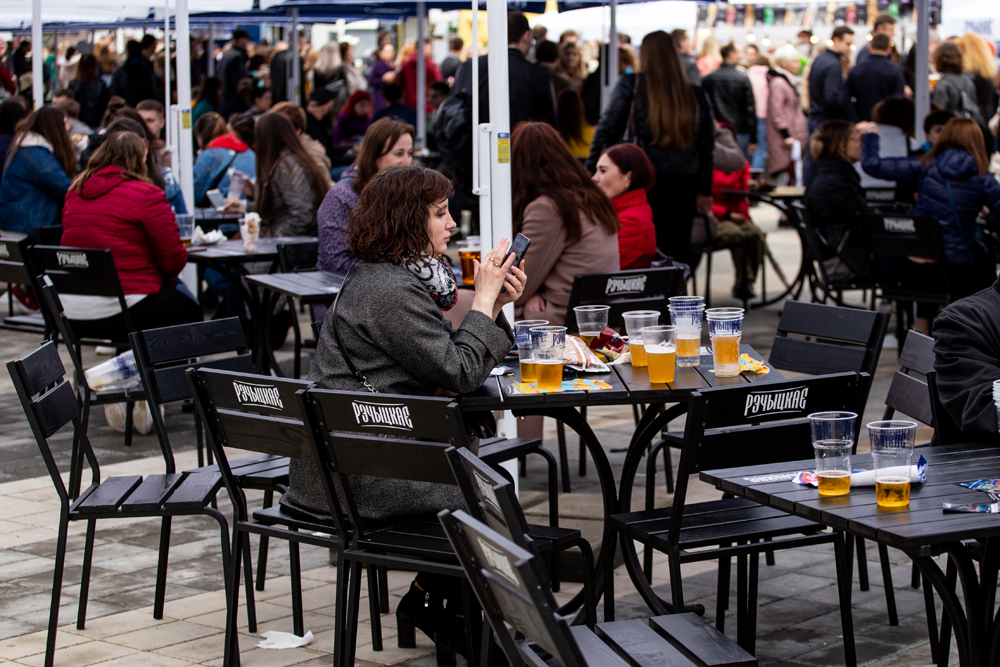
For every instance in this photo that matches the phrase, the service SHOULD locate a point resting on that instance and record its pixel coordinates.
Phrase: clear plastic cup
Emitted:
(687, 314)
(549, 345)
(635, 322)
(469, 251)
(661, 351)
(525, 349)
(591, 321)
(892, 451)
(185, 226)
(832, 441)
(725, 328)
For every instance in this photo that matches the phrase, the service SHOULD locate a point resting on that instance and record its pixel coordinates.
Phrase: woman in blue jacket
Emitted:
(40, 166)
(230, 148)
(953, 185)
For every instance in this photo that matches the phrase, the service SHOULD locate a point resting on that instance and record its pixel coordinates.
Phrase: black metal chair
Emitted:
(295, 258)
(163, 356)
(638, 289)
(490, 498)
(511, 587)
(734, 426)
(17, 268)
(825, 285)
(49, 403)
(53, 305)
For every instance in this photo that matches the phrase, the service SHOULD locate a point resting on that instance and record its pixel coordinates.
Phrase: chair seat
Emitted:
(155, 493)
(263, 471)
(707, 524)
(32, 323)
(498, 450)
(279, 515)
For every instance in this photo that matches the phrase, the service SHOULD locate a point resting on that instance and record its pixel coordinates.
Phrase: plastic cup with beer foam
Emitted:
(661, 352)
(725, 328)
(892, 451)
(591, 321)
(525, 350)
(469, 251)
(635, 322)
(833, 441)
(549, 344)
(687, 314)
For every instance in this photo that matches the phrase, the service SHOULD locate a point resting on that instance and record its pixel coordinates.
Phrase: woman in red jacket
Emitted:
(114, 205)
(625, 174)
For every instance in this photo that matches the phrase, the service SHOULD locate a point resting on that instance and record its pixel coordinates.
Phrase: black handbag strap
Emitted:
(340, 343)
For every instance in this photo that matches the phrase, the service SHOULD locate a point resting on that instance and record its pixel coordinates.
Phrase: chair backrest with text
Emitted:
(488, 496)
(638, 289)
(512, 588)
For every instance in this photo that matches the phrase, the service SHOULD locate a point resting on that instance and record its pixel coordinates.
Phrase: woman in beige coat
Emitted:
(571, 223)
(785, 121)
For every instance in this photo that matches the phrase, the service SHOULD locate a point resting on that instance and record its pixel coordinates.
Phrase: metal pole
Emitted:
(296, 62)
(166, 60)
(290, 70)
(611, 74)
(37, 81)
(210, 65)
(185, 147)
(922, 92)
(421, 77)
(480, 139)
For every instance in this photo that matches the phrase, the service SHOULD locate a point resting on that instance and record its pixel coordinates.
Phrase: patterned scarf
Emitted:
(438, 280)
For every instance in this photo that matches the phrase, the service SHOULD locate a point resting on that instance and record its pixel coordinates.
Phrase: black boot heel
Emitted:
(445, 654)
(406, 636)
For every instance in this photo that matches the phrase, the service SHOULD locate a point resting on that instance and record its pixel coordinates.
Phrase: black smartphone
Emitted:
(517, 248)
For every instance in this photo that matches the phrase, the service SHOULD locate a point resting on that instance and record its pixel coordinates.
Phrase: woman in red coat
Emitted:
(114, 205)
(625, 174)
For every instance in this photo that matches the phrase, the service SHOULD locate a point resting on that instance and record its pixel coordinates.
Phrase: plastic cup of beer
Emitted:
(687, 314)
(725, 328)
(892, 451)
(468, 252)
(635, 322)
(549, 344)
(525, 350)
(661, 352)
(185, 226)
(833, 441)
(591, 321)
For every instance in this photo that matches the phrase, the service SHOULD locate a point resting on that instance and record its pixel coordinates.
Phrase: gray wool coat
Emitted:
(398, 339)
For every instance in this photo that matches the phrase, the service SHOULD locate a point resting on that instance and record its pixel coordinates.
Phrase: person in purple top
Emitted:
(382, 72)
(389, 142)
(354, 119)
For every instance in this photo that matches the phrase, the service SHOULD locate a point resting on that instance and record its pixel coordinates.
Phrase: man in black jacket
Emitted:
(732, 98)
(885, 24)
(872, 81)
(826, 79)
(234, 65)
(967, 361)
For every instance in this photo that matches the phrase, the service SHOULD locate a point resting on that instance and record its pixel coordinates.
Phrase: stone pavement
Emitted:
(798, 617)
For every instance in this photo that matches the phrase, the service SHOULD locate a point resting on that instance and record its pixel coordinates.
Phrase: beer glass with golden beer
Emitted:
(549, 343)
(635, 322)
(833, 441)
(725, 328)
(591, 321)
(660, 343)
(687, 313)
(892, 451)
(468, 251)
(525, 350)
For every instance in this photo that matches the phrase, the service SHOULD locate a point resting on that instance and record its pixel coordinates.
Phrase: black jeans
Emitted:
(168, 307)
(673, 201)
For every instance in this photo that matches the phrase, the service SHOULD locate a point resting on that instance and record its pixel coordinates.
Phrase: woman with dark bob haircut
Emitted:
(389, 318)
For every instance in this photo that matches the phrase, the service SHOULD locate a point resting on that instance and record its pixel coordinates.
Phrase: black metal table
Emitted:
(308, 287)
(230, 259)
(922, 530)
(629, 386)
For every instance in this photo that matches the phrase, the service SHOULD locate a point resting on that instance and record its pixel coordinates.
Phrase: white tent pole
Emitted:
(37, 82)
(166, 70)
(185, 148)
(611, 74)
(922, 93)
(290, 68)
(480, 142)
(421, 76)
(210, 61)
(296, 95)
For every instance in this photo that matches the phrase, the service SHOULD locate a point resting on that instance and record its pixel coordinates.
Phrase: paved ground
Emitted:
(798, 617)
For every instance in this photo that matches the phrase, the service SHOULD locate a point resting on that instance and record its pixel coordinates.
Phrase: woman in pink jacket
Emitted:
(786, 123)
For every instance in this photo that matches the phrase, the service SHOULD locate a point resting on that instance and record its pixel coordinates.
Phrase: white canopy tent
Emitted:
(979, 16)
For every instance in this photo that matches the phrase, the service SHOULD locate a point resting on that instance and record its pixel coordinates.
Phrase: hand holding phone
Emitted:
(217, 200)
(517, 248)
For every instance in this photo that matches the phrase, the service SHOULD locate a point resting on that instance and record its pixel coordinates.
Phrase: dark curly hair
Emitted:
(389, 224)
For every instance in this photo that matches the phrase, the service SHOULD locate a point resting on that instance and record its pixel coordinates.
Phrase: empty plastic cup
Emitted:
(635, 321)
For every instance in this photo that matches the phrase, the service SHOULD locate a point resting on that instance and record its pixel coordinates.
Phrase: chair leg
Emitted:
(295, 571)
(915, 577)
(862, 564)
(741, 601)
(722, 592)
(373, 608)
(262, 548)
(676, 583)
(383, 590)
(589, 603)
(668, 468)
(161, 568)
(352, 613)
(88, 558)
(199, 442)
(890, 595)
(563, 456)
(128, 422)
(583, 447)
(609, 581)
(944, 646)
(231, 657)
(932, 629)
(57, 577)
(769, 554)
(751, 633)
(340, 609)
(844, 555)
